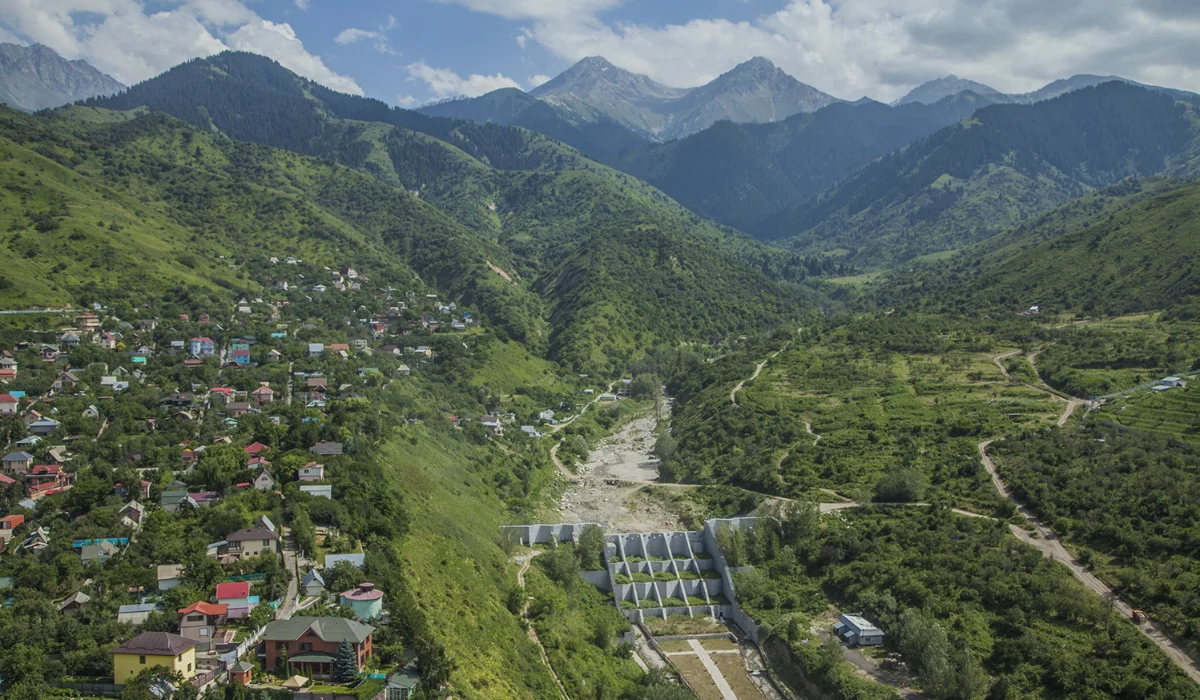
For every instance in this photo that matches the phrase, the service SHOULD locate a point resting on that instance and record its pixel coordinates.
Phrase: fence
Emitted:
(106, 689)
(230, 657)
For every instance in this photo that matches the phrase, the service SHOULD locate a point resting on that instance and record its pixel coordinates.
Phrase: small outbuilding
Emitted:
(856, 631)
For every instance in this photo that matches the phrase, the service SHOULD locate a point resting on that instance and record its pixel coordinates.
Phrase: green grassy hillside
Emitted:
(1133, 248)
(583, 235)
(197, 203)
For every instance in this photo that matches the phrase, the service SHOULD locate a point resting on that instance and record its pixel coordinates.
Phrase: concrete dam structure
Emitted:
(658, 574)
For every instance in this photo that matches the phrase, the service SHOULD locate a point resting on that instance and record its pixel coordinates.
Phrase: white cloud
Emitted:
(302, 5)
(7, 37)
(378, 39)
(536, 80)
(352, 35)
(133, 41)
(884, 47)
(279, 41)
(407, 101)
(445, 83)
(538, 9)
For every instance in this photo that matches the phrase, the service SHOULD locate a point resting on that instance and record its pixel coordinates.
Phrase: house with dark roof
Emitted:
(252, 542)
(17, 462)
(311, 643)
(150, 649)
(44, 427)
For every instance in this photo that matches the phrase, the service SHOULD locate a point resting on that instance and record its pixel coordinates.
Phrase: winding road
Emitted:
(1072, 403)
(757, 371)
(1046, 541)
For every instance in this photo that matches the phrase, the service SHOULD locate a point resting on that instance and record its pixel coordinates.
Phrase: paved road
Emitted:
(289, 563)
(715, 673)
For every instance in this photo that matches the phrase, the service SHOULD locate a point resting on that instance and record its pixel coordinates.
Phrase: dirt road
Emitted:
(1049, 544)
(603, 490)
(560, 425)
(1072, 403)
(757, 371)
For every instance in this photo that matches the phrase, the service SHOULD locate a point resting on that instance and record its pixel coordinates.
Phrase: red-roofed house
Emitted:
(263, 394)
(7, 524)
(48, 474)
(47, 480)
(199, 621)
(236, 597)
(254, 448)
(8, 404)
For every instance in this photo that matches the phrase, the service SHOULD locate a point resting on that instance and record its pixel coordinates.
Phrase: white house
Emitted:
(1171, 383)
(312, 472)
(855, 630)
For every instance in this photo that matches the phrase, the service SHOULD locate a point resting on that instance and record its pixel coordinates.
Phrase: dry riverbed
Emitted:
(605, 489)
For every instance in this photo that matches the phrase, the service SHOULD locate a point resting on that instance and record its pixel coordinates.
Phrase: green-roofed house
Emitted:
(311, 643)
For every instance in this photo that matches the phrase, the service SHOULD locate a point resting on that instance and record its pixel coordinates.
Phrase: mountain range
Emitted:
(994, 170)
(559, 251)
(594, 90)
(35, 77)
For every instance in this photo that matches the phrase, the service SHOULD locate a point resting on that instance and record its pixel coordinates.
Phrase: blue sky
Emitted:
(413, 51)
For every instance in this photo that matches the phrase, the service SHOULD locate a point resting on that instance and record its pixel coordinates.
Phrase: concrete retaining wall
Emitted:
(599, 579)
(542, 533)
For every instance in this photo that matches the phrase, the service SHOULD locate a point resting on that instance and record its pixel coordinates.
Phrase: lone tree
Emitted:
(590, 548)
(345, 665)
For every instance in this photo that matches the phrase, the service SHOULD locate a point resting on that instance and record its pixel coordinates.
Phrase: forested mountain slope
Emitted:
(1007, 163)
(1132, 247)
(487, 188)
(601, 138)
(741, 174)
(152, 204)
(251, 98)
